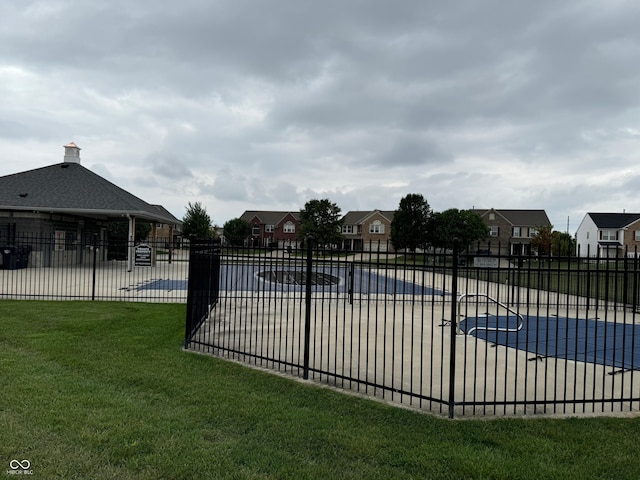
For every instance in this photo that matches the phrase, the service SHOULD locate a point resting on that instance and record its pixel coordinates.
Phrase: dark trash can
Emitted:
(23, 256)
(14, 258)
(9, 258)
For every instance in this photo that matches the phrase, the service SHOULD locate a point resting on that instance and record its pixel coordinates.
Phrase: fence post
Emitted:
(95, 266)
(307, 314)
(352, 272)
(453, 333)
(634, 283)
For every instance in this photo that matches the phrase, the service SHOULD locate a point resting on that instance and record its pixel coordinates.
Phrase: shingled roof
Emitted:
(356, 217)
(614, 220)
(268, 217)
(73, 189)
(532, 218)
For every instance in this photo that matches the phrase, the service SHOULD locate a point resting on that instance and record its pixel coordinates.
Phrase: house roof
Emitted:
(614, 220)
(268, 217)
(528, 218)
(71, 188)
(167, 213)
(358, 217)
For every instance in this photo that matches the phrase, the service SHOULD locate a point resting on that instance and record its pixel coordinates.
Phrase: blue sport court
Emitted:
(612, 344)
(292, 278)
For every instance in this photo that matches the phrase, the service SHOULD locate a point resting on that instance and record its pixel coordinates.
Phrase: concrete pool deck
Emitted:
(367, 349)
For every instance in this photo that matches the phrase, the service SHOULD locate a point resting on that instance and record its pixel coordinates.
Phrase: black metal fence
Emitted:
(91, 267)
(204, 283)
(453, 333)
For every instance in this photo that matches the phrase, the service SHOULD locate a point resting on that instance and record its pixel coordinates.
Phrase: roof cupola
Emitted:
(71, 153)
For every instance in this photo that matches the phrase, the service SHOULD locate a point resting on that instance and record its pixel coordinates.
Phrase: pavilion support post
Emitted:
(131, 246)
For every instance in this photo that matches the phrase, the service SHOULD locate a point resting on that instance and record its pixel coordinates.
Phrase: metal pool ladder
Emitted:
(486, 328)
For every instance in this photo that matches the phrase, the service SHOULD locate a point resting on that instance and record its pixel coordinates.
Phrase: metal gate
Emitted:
(204, 284)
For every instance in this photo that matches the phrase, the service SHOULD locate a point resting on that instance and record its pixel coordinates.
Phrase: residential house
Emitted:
(608, 235)
(367, 230)
(510, 231)
(169, 233)
(273, 228)
(57, 211)
(362, 230)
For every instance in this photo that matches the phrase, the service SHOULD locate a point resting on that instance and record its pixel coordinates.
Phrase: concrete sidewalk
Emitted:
(110, 281)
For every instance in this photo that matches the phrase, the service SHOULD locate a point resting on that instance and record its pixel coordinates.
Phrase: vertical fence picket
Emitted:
(453, 331)
(307, 316)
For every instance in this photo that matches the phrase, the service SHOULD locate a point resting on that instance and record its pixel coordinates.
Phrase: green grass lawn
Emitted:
(103, 390)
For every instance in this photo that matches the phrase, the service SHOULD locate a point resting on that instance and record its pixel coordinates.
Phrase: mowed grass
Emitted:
(104, 390)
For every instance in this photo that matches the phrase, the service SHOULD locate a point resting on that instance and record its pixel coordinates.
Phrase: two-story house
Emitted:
(273, 228)
(367, 230)
(510, 231)
(362, 230)
(608, 235)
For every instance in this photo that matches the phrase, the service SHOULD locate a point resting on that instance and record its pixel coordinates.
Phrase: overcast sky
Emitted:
(264, 105)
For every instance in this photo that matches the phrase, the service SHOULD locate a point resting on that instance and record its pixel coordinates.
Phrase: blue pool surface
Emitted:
(252, 278)
(609, 343)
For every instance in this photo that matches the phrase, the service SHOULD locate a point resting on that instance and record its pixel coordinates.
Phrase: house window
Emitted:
(269, 228)
(376, 227)
(347, 229)
(256, 230)
(494, 231)
(59, 240)
(533, 232)
(609, 235)
(492, 216)
(516, 232)
(289, 227)
(637, 235)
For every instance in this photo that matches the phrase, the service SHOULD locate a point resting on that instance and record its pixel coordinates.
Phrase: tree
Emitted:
(409, 227)
(236, 231)
(465, 226)
(547, 241)
(322, 220)
(542, 240)
(563, 244)
(196, 223)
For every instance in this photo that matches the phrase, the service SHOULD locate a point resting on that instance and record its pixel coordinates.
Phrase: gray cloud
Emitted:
(242, 105)
(169, 165)
(230, 187)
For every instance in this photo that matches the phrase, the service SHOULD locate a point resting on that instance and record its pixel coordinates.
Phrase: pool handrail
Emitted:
(493, 329)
